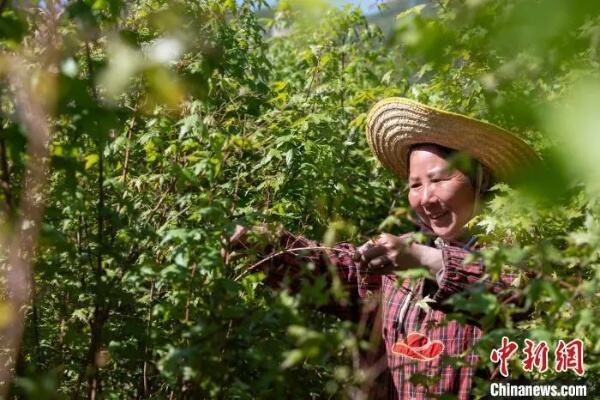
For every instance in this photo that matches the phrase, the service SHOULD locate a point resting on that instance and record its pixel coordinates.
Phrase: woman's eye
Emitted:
(415, 185)
(439, 179)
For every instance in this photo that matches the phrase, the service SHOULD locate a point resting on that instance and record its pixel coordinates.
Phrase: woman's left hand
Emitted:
(388, 253)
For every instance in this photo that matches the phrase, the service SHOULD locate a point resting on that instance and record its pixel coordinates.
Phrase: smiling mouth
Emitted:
(435, 217)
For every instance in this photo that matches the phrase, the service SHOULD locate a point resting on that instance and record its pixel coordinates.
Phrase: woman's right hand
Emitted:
(389, 253)
(377, 254)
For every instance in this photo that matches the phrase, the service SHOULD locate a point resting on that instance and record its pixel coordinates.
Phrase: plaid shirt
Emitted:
(389, 306)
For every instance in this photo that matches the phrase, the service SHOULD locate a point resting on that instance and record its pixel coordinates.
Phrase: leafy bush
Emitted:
(173, 121)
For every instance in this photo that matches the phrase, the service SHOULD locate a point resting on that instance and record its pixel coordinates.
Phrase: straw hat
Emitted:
(394, 124)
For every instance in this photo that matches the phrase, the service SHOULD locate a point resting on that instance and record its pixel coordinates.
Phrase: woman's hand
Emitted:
(389, 253)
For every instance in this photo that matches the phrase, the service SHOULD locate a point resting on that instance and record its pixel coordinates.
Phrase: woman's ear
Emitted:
(484, 179)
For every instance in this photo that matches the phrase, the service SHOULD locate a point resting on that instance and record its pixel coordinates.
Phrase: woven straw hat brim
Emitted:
(395, 124)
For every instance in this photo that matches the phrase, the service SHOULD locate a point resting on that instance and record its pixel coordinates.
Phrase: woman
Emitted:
(418, 143)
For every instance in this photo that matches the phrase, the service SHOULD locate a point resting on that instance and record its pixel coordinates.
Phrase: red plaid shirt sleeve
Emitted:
(289, 265)
(457, 275)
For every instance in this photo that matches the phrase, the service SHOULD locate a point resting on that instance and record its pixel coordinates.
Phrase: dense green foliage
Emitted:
(173, 121)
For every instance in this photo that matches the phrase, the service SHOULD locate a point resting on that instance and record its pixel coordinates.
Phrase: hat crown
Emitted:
(395, 124)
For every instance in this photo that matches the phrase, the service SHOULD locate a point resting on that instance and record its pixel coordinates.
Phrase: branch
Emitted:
(256, 265)
(126, 162)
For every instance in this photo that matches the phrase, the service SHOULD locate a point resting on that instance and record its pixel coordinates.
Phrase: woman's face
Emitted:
(444, 199)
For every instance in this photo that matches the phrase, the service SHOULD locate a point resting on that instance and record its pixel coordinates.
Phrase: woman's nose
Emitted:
(428, 195)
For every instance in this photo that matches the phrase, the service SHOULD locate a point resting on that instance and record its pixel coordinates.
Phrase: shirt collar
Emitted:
(466, 241)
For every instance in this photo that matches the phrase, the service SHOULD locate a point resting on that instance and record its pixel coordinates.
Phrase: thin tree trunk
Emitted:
(19, 245)
(144, 390)
(126, 161)
(101, 311)
(190, 293)
(5, 182)
(35, 325)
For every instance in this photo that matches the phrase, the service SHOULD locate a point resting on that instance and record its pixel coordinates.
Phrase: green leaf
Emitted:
(91, 160)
